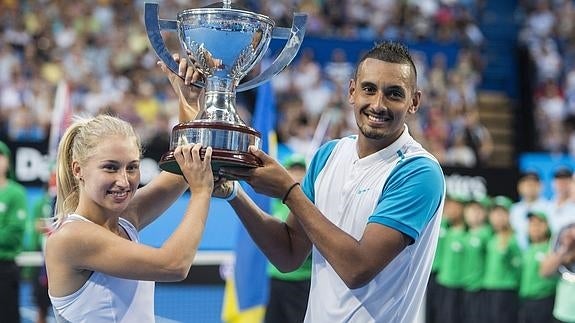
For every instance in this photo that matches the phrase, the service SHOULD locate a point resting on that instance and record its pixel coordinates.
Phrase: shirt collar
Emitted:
(396, 148)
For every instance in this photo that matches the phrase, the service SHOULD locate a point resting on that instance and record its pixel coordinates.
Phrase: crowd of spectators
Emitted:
(548, 33)
(101, 50)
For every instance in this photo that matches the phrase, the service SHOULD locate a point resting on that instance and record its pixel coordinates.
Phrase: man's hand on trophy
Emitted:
(189, 96)
(271, 179)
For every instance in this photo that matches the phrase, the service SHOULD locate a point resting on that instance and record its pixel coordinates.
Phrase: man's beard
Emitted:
(371, 133)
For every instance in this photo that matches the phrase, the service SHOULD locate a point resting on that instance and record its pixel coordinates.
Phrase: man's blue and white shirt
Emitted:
(402, 187)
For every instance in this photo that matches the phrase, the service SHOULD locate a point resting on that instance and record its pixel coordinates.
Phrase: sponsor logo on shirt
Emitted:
(362, 190)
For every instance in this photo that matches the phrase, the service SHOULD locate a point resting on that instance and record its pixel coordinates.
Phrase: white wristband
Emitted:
(234, 192)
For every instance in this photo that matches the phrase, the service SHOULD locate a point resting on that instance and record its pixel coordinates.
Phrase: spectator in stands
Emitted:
(550, 112)
(307, 71)
(445, 22)
(537, 293)
(468, 68)
(436, 127)
(420, 61)
(564, 13)
(541, 21)
(478, 137)
(548, 60)
(502, 266)
(159, 138)
(419, 15)
(13, 210)
(438, 75)
(471, 33)
(24, 126)
(561, 207)
(338, 70)
(569, 93)
(316, 98)
(147, 105)
(459, 154)
(530, 199)
(569, 126)
(9, 64)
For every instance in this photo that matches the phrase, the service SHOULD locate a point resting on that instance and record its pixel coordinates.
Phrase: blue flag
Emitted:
(250, 280)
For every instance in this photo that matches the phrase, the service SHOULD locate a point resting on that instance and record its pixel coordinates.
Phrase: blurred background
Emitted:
(498, 83)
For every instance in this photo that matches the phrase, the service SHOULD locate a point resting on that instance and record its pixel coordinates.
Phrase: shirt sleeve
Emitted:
(411, 196)
(316, 165)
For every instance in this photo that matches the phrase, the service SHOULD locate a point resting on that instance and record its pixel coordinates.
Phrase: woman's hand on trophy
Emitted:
(271, 179)
(189, 95)
(196, 170)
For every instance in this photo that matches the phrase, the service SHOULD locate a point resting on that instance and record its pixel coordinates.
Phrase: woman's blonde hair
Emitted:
(77, 144)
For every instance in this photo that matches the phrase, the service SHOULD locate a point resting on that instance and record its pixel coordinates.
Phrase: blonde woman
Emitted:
(97, 269)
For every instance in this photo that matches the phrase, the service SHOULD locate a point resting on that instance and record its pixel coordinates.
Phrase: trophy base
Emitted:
(229, 144)
(220, 158)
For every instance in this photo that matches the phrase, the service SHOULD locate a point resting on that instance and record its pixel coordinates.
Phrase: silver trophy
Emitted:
(224, 43)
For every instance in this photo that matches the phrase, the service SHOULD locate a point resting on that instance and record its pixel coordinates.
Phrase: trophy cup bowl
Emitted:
(224, 44)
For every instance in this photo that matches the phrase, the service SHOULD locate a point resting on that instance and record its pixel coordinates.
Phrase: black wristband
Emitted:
(288, 191)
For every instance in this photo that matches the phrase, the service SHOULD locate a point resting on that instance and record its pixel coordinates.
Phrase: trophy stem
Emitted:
(220, 102)
(227, 4)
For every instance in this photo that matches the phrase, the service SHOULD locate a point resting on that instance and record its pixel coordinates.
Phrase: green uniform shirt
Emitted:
(42, 208)
(281, 211)
(452, 257)
(532, 285)
(564, 309)
(12, 218)
(475, 245)
(502, 264)
(439, 249)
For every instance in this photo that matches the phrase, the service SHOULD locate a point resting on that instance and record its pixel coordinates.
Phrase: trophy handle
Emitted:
(294, 38)
(153, 27)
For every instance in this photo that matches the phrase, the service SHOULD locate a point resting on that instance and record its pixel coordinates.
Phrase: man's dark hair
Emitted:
(391, 52)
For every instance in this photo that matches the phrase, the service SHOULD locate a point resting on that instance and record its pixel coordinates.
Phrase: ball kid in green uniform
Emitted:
(450, 275)
(537, 293)
(478, 233)
(502, 266)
